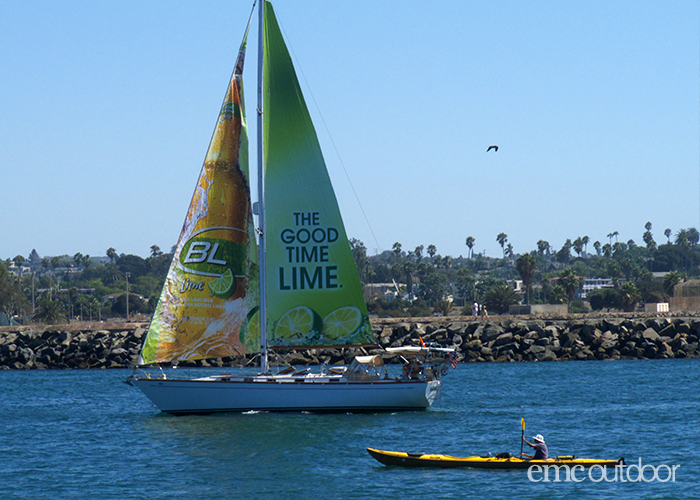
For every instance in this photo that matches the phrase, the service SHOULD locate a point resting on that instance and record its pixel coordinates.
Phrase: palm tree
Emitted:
(396, 247)
(570, 283)
(682, 237)
(418, 252)
(95, 307)
(651, 244)
(683, 241)
(526, 266)
(432, 251)
(112, 254)
(50, 312)
(564, 255)
(585, 241)
(542, 247)
(470, 243)
(359, 254)
(501, 239)
(112, 274)
(693, 236)
(578, 246)
(629, 296)
(596, 245)
(671, 280)
(509, 250)
(500, 297)
(667, 233)
(155, 251)
(443, 307)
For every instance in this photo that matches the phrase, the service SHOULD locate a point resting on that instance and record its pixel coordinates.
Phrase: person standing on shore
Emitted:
(475, 310)
(484, 312)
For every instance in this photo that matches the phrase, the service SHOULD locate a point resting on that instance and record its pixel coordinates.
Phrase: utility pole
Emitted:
(127, 296)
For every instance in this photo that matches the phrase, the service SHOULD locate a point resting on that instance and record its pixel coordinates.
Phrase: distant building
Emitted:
(590, 284)
(385, 291)
(686, 296)
(517, 285)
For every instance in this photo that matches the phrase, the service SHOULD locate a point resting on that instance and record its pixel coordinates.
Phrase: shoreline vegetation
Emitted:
(609, 336)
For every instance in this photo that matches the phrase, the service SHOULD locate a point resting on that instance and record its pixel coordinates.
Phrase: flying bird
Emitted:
(495, 148)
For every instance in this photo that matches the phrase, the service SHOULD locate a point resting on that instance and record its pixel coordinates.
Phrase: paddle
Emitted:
(522, 424)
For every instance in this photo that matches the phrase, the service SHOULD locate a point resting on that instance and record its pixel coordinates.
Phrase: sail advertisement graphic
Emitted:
(314, 294)
(211, 292)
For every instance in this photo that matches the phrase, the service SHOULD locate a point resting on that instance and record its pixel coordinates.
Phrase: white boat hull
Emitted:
(316, 394)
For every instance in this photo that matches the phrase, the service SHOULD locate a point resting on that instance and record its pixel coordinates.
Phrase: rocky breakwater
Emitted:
(66, 348)
(506, 339)
(555, 340)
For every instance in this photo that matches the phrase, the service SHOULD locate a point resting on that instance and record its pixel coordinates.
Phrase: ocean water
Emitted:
(85, 434)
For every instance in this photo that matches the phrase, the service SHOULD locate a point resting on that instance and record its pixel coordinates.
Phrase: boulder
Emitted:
(503, 339)
(668, 331)
(491, 333)
(650, 335)
(547, 355)
(568, 339)
(550, 331)
(665, 350)
(537, 349)
(683, 327)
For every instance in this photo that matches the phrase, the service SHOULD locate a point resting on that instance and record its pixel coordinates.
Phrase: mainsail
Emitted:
(210, 294)
(314, 294)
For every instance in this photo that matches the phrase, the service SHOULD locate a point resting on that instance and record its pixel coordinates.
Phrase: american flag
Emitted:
(453, 361)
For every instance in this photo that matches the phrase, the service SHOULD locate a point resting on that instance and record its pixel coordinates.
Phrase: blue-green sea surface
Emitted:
(84, 434)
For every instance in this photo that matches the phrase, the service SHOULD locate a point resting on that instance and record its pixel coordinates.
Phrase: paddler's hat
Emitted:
(539, 438)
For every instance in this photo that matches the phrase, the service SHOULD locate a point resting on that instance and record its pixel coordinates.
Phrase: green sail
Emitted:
(314, 294)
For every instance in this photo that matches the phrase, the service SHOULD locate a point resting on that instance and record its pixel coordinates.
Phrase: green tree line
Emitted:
(69, 287)
(64, 287)
(549, 275)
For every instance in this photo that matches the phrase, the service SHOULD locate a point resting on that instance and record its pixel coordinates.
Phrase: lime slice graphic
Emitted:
(342, 323)
(250, 330)
(299, 322)
(223, 286)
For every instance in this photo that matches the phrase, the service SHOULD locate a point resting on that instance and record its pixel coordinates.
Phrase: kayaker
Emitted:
(539, 446)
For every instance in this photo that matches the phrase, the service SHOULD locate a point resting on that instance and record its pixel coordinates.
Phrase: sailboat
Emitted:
(290, 282)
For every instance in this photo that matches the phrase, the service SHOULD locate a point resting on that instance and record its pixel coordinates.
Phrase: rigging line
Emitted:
(340, 159)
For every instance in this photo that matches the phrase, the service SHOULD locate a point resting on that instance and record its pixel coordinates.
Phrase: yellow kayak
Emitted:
(447, 461)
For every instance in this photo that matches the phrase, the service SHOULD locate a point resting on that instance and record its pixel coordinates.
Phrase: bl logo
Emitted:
(202, 251)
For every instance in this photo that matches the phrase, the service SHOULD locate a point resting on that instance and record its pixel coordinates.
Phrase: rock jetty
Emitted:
(503, 339)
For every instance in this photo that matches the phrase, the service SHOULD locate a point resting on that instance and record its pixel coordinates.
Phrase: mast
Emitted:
(264, 366)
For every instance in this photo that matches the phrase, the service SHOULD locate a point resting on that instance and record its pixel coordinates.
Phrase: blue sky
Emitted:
(107, 109)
